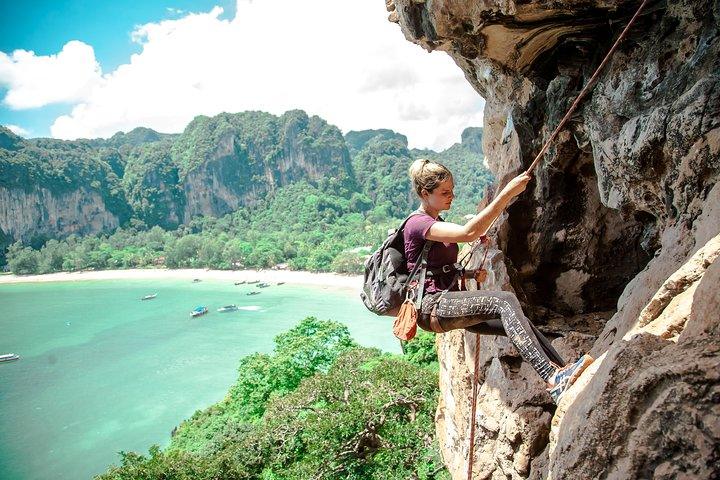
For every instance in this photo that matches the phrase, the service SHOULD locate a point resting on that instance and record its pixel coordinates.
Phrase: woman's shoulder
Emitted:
(419, 222)
(419, 216)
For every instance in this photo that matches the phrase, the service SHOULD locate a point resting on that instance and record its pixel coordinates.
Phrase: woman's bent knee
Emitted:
(509, 299)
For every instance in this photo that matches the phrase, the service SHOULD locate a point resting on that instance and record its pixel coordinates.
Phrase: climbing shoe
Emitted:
(566, 376)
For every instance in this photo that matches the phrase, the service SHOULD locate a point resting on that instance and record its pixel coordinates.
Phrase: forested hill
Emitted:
(287, 189)
(215, 166)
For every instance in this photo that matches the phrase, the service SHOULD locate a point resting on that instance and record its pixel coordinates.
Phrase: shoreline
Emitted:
(295, 277)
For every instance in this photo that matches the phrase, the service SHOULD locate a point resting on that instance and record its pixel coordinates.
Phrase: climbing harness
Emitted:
(571, 110)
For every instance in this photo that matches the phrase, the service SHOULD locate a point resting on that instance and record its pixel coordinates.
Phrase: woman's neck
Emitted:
(429, 210)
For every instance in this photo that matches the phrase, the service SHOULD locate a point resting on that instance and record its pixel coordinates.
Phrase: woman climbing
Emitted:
(444, 307)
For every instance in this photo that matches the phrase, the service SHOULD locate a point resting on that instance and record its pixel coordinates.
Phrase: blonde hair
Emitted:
(427, 175)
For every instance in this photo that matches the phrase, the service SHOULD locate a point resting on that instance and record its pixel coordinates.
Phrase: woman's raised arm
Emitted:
(478, 225)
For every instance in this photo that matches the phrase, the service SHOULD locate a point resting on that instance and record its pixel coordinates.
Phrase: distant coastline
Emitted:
(353, 282)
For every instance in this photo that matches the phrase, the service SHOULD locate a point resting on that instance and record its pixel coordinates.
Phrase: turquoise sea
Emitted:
(103, 372)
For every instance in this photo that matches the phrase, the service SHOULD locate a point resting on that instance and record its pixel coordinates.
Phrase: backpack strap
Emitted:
(420, 261)
(420, 265)
(402, 225)
(423, 269)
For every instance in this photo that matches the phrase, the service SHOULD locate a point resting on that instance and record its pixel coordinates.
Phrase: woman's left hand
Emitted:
(481, 276)
(517, 185)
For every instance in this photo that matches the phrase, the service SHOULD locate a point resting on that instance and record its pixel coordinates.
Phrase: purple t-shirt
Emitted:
(440, 253)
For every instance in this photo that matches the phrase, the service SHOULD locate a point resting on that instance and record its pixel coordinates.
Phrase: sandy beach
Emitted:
(271, 276)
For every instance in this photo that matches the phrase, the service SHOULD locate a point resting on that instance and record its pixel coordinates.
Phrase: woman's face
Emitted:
(441, 197)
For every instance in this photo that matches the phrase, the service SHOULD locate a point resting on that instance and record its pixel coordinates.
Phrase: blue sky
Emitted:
(76, 68)
(45, 26)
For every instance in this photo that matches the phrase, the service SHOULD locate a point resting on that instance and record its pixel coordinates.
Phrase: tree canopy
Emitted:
(318, 407)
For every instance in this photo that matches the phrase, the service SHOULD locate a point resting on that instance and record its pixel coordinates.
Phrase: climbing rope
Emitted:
(471, 452)
(585, 90)
(543, 150)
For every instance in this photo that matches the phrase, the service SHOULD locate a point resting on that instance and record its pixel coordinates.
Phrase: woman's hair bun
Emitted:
(427, 175)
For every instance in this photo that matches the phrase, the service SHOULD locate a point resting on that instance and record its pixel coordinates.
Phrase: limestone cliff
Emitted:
(249, 160)
(52, 188)
(45, 213)
(612, 249)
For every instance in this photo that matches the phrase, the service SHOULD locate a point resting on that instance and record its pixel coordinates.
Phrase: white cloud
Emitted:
(413, 111)
(34, 81)
(342, 61)
(18, 130)
(389, 78)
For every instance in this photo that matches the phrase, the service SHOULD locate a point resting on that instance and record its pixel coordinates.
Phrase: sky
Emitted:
(86, 69)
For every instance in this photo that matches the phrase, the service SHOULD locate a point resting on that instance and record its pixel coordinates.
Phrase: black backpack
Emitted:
(386, 275)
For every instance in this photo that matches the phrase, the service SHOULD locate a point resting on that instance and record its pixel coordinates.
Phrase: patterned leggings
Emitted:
(492, 313)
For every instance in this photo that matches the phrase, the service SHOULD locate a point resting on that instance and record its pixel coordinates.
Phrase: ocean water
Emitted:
(103, 372)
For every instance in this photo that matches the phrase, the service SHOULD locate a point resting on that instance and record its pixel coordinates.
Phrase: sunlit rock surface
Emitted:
(42, 212)
(611, 250)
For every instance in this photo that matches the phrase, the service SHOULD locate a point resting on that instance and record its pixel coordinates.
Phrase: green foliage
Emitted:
(23, 260)
(355, 414)
(152, 186)
(8, 140)
(258, 142)
(312, 346)
(422, 350)
(472, 139)
(368, 417)
(174, 465)
(204, 136)
(52, 256)
(62, 167)
(356, 140)
(137, 136)
(381, 160)
(381, 168)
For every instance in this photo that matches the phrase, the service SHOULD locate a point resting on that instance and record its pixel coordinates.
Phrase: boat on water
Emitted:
(196, 280)
(253, 281)
(9, 357)
(254, 292)
(201, 310)
(228, 308)
(149, 297)
(240, 283)
(263, 285)
(281, 283)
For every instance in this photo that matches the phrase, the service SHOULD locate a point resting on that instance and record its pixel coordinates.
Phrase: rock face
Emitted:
(52, 188)
(241, 170)
(612, 248)
(44, 213)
